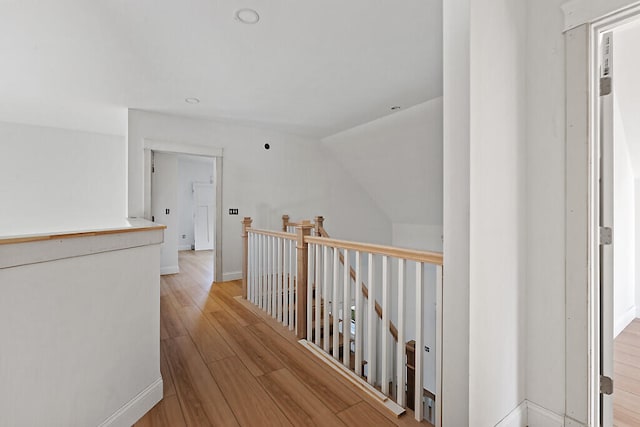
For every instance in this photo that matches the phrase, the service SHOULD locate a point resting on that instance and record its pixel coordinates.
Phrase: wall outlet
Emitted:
(233, 211)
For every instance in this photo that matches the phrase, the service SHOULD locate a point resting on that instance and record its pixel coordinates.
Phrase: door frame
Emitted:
(582, 214)
(154, 145)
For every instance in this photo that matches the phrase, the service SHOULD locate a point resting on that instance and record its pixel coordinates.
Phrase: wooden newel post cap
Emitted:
(246, 223)
(319, 220)
(302, 230)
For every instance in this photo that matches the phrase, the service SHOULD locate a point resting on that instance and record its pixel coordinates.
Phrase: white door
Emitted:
(164, 207)
(204, 219)
(606, 225)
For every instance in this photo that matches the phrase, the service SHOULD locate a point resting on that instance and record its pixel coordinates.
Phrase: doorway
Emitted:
(622, 351)
(614, 209)
(183, 190)
(183, 198)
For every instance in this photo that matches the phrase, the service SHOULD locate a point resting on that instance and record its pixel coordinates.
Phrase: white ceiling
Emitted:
(627, 87)
(308, 67)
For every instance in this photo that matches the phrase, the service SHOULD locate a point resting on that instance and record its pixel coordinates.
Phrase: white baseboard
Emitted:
(174, 269)
(537, 416)
(516, 418)
(623, 320)
(184, 247)
(528, 414)
(234, 275)
(133, 410)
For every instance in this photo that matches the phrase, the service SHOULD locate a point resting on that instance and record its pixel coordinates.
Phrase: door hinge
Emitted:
(605, 86)
(606, 236)
(606, 385)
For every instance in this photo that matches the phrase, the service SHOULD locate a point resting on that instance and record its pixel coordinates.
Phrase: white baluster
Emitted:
(318, 295)
(326, 299)
(335, 303)
(265, 276)
(252, 251)
(311, 267)
(269, 268)
(371, 325)
(419, 345)
(359, 320)
(268, 271)
(248, 266)
(384, 330)
(274, 277)
(400, 348)
(346, 313)
(293, 266)
(261, 271)
(279, 279)
(254, 270)
(285, 282)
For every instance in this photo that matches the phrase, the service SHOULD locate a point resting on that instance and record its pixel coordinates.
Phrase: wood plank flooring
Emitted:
(225, 363)
(626, 381)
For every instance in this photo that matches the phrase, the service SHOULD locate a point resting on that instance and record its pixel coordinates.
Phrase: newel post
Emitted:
(246, 223)
(285, 222)
(303, 230)
(319, 225)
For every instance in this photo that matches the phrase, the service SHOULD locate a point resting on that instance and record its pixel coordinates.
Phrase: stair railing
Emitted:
(313, 290)
(273, 264)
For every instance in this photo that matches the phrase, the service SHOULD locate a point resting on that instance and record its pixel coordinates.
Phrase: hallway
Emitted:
(223, 364)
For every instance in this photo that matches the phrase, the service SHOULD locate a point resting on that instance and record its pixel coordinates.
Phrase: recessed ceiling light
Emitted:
(247, 16)
(395, 107)
(192, 100)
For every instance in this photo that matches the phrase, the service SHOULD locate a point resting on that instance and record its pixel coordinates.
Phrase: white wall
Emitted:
(456, 203)
(80, 318)
(545, 169)
(497, 210)
(296, 176)
(55, 179)
(484, 210)
(624, 260)
(398, 160)
(190, 170)
(421, 237)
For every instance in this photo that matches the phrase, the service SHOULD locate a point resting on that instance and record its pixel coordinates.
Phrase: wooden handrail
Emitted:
(280, 234)
(434, 258)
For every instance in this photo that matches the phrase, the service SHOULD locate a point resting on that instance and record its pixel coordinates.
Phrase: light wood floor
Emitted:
(626, 381)
(226, 364)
